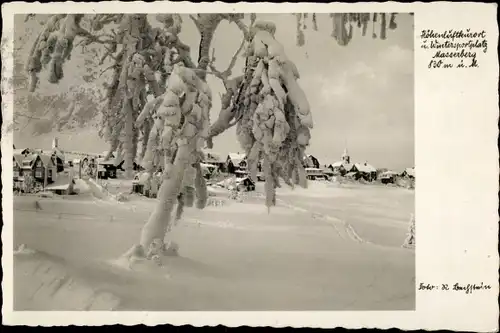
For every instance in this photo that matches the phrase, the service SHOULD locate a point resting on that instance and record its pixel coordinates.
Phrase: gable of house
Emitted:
(348, 167)
(18, 160)
(365, 168)
(236, 158)
(311, 161)
(30, 161)
(47, 160)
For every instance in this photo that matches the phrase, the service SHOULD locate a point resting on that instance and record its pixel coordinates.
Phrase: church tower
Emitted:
(345, 157)
(55, 143)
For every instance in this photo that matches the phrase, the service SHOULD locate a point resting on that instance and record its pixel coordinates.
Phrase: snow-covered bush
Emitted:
(122, 197)
(215, 202)
(235, 195)
(410, 240)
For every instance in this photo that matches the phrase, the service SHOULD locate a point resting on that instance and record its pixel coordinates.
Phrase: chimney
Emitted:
(55, 143)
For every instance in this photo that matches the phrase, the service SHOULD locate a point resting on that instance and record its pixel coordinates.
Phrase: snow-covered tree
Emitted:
(71, 104)
(158, 97)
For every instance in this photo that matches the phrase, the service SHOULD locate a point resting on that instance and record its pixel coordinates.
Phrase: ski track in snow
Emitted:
(342, 228)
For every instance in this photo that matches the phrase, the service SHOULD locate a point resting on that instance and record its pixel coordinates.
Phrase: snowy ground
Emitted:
(330, 247)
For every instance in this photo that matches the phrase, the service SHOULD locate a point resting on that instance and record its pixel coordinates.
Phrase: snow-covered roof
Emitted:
(337, 164)
(388, 174)
(410, 171)
(102, 161)
(19, 159)
(242, 179)
(62, 183)
(211, 156)
(365, 167)
(46, 159)
(236, 158)
(29, 159)
(207, 165)
(326, 171)
(313, 170)
(56, 151)
(20, 151)
(105, 153)
(113, 160)
(347, 166)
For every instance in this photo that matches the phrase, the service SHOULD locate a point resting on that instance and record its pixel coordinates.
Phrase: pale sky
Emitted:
(361, 95)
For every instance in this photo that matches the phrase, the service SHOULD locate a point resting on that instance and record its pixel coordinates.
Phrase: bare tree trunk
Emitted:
(161, 218)
(146, 128)
(129, 139)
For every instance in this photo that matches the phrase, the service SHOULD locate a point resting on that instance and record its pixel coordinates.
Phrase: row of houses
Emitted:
(236, 163)
(97, 165)
(35, 169)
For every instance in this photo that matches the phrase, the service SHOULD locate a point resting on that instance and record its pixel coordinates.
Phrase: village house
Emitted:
(313, 168)
(315, 174)
(245, 184)
(328, 172)
(116, 162)
(145, 185)
(343, 166)
(64, 185)
(357, 171)
(208, 170)
(236, 163)
(215, 159)
(108, 168)
(388, 177)
(409, 173)
(39, 166)
(101, 172)
(365, 171)
(17, 170)
(310, 161)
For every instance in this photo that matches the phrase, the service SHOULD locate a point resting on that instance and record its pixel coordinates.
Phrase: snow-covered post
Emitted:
(410, 241)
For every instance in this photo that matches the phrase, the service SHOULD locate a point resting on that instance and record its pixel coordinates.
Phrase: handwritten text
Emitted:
(454, 48)
(468, 288)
